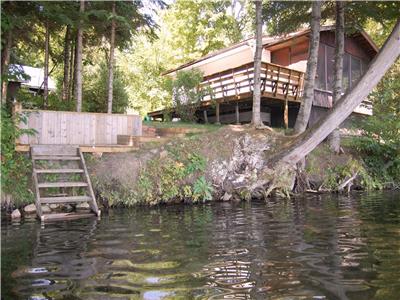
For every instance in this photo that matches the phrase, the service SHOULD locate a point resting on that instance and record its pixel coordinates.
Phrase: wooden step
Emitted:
(62, 184)
(56, 171)
(54, 157)
(65, 216)
(67, 150)
(68, 199)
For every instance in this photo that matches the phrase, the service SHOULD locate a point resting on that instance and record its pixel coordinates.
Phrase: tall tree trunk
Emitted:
(72, 70)
(5, 60)
(256, 116)
(67, 44)
(345, 105)
(78, 83)
(308, 94)
(46, 67)
(334, 137)
(111, 62)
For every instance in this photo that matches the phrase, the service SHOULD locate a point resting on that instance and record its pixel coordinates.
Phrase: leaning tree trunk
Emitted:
(5, 60)
(46, 67)
(254, 171)
(345, 105)
(111, 62)
(66, 78)
(334, 137)
(78, 84)
(308, 94)
(256, 116)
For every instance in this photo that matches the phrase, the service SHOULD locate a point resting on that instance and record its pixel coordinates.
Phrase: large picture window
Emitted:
(353, 68)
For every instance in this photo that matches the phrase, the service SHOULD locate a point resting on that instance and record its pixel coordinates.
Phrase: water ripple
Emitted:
(331, 247)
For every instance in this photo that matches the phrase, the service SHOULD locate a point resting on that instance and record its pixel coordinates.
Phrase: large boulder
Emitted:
(83, 206)
(16, 214)
(46, 209)
(30, 209)
(54, 206)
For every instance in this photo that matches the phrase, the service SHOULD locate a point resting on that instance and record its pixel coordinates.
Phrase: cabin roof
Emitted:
(30, 77)
(276, 42)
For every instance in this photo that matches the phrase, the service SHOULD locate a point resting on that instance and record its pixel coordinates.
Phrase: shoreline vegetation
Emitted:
(115, 58)
(217, 163)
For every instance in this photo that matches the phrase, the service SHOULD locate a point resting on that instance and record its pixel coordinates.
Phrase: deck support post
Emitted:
(286, 115)
(217, 114)
(237, 113)
(205, 116)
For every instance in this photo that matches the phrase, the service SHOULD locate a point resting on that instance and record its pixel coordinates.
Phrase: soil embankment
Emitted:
(230, 163)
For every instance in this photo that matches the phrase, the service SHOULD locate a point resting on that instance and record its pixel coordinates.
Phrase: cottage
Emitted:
(229, 74)
(28, 78)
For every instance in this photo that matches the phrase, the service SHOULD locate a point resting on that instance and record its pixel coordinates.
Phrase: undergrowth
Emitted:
(15, 167)
(177, 176)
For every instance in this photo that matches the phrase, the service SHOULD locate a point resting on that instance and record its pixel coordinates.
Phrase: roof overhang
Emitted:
(278, 42)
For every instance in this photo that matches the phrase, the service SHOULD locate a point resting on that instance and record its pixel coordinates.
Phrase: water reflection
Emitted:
(315, 248)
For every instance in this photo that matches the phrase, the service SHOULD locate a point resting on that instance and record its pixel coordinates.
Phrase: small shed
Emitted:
(29, 78)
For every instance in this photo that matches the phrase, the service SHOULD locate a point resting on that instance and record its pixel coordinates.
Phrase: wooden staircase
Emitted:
(69, 163)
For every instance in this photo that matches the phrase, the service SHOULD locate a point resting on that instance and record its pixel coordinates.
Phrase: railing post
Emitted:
(277, 82)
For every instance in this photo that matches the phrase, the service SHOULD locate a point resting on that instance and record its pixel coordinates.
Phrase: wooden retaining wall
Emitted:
(73, 128)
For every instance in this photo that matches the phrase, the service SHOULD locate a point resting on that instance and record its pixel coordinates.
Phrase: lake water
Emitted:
(319, 247)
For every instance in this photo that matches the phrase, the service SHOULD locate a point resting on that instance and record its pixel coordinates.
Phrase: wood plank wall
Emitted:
(73, 128)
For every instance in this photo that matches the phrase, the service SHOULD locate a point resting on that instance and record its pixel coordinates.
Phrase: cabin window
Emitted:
(346, 72)
(330, 67)
(353, 68)
(321, 79)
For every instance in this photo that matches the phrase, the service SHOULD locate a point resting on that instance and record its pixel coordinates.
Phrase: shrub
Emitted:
(15, 167)
(380, 143)
(186, 94)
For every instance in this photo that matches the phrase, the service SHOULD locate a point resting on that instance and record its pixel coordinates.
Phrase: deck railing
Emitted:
(276, 82)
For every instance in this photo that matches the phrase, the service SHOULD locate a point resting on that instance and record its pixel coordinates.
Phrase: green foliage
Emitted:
(195, 163)
(379, 144)
(196, 28)
(31, 101)
(95, 90)
(142, 66)
(186, 94)
(15, 167)
(171, 178)
(288, 16)
(338, 174)
(202, 190)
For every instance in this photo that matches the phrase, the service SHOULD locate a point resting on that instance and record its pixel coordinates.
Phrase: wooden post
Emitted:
(286, 114)
(237, 113)
(217, 114)
(17, 107)
(205, 116)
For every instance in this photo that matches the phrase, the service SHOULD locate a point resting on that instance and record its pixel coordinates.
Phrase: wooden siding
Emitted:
(290, 55)
(73, 128)
(281, 57)
(350, 45)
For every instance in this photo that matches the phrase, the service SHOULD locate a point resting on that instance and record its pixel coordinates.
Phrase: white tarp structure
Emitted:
(31, 77)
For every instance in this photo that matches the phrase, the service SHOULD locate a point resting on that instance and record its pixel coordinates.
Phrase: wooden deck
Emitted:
(76, 128)
(89, 148)
(277, 82)
(91, 132)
